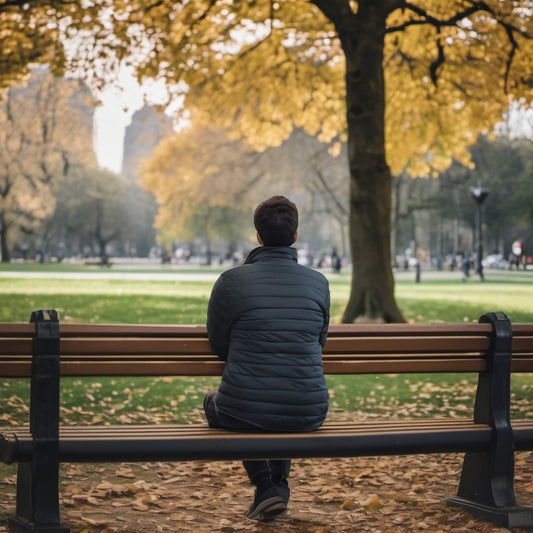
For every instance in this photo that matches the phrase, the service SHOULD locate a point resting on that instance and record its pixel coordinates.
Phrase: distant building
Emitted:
(148, 127)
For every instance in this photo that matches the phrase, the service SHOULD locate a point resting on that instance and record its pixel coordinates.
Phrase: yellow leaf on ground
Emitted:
(373, 505)
(348, 505)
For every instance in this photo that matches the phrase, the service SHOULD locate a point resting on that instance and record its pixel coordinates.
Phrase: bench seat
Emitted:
(190, 442)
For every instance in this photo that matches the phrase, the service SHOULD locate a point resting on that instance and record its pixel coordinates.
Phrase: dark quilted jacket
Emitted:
(269, 319)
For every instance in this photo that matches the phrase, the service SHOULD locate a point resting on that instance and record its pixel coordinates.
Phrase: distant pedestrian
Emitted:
(335, 261)
(465, 268)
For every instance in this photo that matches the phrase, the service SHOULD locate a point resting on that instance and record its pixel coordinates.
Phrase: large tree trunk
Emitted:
(362, 36)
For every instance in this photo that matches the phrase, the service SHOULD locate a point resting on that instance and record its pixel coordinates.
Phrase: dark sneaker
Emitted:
(268, 503)
(282, 486)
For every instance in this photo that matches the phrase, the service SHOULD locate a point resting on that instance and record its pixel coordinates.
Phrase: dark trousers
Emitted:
(275, 469)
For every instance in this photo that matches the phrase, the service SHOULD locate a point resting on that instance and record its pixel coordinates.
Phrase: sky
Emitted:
(110, 121)
(118, 104)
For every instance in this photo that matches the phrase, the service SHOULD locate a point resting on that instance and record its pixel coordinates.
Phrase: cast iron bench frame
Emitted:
(44, 350)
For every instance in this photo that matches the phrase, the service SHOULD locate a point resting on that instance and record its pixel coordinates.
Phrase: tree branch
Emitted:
(509, 62)
(426, 18)
(330, 193)
(439, 60)
(475, 7)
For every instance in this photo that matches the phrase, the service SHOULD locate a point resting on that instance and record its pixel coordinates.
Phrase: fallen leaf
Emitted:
(348, 505)
(92, 522)
(373, 505)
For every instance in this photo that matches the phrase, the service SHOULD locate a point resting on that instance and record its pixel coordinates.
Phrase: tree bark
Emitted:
(362, 36)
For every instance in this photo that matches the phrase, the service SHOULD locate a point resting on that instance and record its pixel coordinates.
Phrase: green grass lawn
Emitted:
(171, 301)
(124, 300)
(449, 300)
(106, 301)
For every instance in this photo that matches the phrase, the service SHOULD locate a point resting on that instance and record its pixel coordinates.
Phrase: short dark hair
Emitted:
(276, 221)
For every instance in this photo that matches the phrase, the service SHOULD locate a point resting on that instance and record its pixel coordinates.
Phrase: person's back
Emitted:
(271, 315)
(268, 318)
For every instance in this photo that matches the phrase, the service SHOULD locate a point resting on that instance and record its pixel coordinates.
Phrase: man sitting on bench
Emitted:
(268, 319)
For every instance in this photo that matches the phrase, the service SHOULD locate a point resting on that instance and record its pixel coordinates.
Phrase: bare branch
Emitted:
(426, 18)
(509, 62)
(437, 63)
(331, 194)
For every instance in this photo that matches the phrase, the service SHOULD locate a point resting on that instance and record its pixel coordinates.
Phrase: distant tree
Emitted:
(521, 194)
(141, 237)
(199, 174)
(93, 207)
(41, 136)
(502, 167)
(196, 176)
(499, 168)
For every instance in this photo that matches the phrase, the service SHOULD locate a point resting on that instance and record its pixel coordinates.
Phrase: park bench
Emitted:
(43, 350)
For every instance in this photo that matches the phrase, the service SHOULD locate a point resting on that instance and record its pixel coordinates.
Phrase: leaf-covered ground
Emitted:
(157, 400)
(363, 495)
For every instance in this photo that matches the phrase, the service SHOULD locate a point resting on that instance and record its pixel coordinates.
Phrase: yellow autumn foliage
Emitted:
(260, 69)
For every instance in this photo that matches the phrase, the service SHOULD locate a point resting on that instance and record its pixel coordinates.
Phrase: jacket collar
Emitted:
(266, 253)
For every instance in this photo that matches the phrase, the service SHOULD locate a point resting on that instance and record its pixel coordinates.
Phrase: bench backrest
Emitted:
(135, 350)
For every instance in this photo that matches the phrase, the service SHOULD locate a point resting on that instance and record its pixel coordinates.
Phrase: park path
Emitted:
(208, 274)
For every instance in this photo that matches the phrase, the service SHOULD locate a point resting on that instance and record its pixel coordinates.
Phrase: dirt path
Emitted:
(363, 495)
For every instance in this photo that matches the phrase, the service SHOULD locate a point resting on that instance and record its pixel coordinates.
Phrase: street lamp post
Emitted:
(479, 196)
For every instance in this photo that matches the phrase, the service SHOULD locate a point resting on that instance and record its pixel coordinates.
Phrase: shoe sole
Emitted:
(268, 509)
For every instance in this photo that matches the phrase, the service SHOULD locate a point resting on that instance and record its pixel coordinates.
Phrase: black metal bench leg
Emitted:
(38, 479)
(38, 496)
(486, 488)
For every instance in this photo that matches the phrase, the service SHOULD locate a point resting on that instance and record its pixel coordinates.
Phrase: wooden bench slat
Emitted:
(13, 368)
(435, 329)
(13, 346)
(192, 430)
(407, 344)
(136, 330)
(133, 346)
(379, 330)
(16, 346)
(193, 357)
(522, 344)
(520, 329)
(213, 367)
(126, 368)
(524, 366)
(16, 329)
(349, 345)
